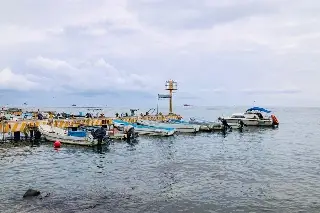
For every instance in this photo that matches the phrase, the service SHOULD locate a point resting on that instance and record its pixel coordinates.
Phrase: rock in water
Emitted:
(31, 193)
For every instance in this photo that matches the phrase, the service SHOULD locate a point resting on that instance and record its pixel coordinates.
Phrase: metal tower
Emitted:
(171, 86)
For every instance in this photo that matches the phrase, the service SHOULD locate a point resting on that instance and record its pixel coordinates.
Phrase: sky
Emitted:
(121, 53)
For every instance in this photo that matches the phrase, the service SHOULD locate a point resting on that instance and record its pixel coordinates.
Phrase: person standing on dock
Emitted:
(129, 130)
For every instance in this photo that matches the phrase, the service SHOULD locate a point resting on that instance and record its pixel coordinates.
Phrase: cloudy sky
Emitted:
(221, 52)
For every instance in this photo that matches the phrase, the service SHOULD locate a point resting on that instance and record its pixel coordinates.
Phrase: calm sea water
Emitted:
(258, 170)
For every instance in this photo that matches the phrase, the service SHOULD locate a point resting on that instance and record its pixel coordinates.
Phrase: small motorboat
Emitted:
(145, 129)
(255, 116)
(206, 125)
(179, 127)
(82, 138)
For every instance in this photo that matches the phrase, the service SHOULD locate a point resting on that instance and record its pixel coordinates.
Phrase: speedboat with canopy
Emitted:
(255, 116)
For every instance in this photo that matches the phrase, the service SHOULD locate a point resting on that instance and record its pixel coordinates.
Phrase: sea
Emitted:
(257, 170)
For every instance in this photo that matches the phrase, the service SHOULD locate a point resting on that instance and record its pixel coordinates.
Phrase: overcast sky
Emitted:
(121, 52)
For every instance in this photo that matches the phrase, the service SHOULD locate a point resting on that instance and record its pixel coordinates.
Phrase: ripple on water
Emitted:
(258, 170)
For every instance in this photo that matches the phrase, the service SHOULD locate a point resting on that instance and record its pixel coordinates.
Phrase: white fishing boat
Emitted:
(53, 134)
(206, 125)
(146, 130)
(255, 116)
(212, 125)
(179, 127)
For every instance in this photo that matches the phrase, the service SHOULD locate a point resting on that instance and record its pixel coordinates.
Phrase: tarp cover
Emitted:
(258, 109)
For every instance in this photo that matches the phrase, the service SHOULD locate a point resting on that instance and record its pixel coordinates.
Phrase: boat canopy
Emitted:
(258, 109)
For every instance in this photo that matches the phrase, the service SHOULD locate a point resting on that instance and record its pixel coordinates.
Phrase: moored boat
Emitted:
(213, 126)
(145, 129)
(204, 125)
(53, 134)
(180, 127)
(255, 116)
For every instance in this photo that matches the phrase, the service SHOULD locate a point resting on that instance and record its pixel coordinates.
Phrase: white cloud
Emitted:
(138, 44)
(14, 81)
(15, 35)
(271, 91)
(87, 75)
(55, 31)
(49, 64)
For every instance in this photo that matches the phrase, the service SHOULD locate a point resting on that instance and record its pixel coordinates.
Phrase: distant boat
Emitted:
(74, 105)
(186, 105)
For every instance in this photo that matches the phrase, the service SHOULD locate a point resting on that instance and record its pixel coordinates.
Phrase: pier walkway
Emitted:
(7, 126)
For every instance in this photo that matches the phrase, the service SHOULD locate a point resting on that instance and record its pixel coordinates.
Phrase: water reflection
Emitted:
(101, 149)
(35, 143)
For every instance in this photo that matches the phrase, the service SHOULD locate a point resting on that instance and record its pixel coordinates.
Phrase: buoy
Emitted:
(57, 144)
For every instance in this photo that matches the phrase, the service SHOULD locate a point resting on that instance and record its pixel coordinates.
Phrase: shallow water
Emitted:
(258, 170)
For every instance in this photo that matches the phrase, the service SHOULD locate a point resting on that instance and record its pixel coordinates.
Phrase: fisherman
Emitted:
(129, 130)
(40, 116)
(51, 116)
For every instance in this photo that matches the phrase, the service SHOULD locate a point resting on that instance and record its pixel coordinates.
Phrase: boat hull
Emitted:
(53, 134)
(147, 130)
(154, 133)
(220, 127)
(207, 126)
(184, 128)
(251, 122)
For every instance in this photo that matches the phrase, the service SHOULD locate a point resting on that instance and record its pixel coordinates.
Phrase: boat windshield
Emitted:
(237, 116)
(260, 116)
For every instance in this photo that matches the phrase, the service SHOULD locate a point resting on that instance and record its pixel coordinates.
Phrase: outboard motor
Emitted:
(99, 134)
(242, 124)
(225, 125)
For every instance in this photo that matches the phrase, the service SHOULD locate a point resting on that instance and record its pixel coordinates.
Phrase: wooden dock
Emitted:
(21, 126)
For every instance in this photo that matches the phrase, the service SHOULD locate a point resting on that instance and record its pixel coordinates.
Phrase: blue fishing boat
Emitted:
(179, 127)
(145, 129)
(204, 125)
